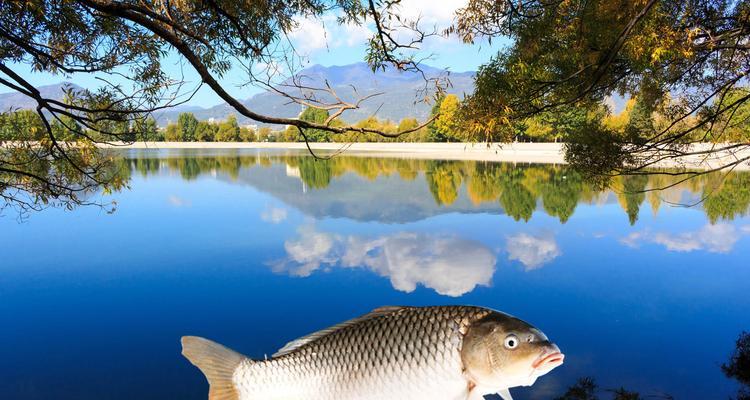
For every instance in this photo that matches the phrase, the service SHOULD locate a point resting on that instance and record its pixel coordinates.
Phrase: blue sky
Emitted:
(323, 41)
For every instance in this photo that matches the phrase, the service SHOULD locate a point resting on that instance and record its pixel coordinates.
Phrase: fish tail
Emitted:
(217, 363)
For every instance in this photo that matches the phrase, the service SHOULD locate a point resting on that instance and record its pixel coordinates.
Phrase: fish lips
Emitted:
(550, 359)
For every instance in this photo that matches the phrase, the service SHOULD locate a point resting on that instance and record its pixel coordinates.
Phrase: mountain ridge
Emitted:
(397, 101)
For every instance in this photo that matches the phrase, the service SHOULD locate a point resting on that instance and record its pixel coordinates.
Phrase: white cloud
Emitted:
(310, 35)
(532, 251)
(439, 12)
(315, 34)
(177, 201)
(719, 238)
(274, 215)
(449, 265)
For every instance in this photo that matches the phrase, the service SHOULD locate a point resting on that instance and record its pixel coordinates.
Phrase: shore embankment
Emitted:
(506, 152)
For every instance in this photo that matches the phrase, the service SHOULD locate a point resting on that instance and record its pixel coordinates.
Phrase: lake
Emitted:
(255, 248)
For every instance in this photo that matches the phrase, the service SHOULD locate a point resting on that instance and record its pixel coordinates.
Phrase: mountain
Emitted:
(17, 101)
(399, 98)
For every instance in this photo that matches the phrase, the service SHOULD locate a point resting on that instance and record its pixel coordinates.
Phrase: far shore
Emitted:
(550, 153)
(546, 153)
(542, 153)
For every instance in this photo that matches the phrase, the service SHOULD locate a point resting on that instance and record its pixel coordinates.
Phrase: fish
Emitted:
(391, 353)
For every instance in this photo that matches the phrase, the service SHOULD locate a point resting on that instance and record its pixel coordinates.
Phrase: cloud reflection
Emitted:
(450, 265)
(532, 251)
(176, 201)
(274, 215)
(718, 238)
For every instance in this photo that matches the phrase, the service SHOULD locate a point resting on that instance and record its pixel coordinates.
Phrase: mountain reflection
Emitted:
(417, 189)
(450, 265)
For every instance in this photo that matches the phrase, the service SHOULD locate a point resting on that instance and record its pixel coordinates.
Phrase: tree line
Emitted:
(447, 125)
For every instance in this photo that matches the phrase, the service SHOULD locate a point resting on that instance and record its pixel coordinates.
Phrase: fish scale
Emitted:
(409, 354)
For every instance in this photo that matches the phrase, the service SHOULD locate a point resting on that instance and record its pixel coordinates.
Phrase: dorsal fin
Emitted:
(297, 343)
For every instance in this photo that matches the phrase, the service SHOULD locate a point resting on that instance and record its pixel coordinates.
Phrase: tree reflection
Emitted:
(730, 199)
(631, 194)
(516, 199)
(34, 176)
(560, 191)
(587, 389)
(737, 368)
(517, 188)
(444, 179)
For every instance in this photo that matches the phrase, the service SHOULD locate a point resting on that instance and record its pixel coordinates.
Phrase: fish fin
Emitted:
(297, 343)
(505, 394)
(217, 363)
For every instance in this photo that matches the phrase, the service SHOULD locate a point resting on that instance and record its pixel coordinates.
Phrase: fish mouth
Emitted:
(549, 360)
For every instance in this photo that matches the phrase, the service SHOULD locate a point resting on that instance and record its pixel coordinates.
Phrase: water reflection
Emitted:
(177, 201)
(362, 188)
(532, 251)
(737, 368)
(274, 215)
(718, 238)
(654, 307)
(450, 265)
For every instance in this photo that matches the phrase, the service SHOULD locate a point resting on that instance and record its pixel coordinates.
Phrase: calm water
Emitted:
(255, 249)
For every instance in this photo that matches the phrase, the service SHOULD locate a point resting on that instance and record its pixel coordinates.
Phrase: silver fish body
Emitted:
(392, 353)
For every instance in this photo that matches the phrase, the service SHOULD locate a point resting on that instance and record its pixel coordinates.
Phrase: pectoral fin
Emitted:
(505, 394)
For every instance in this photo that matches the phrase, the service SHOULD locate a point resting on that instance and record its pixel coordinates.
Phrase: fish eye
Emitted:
(511, 342)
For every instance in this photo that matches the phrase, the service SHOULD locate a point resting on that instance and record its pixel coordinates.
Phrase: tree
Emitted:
(66, 128)
(20, 125)
(641, 122)
(147, 130)
(617, 123)
(247, 134)
(447, 126)
(316, 115)
(205, 132)
(187, 124)
(433, 134)
(407, 124)
(266, 135)
(577, 53)
(229, 130)
(127, 42)
(173, 133)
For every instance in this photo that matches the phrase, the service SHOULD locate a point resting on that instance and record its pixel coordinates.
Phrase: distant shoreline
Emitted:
(543, 153)
(549, 153)
(537, 153)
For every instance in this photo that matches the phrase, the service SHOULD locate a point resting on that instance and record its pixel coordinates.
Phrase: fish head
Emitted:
(500, 351)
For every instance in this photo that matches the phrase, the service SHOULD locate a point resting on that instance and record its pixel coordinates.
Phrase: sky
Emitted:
(324, 42)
